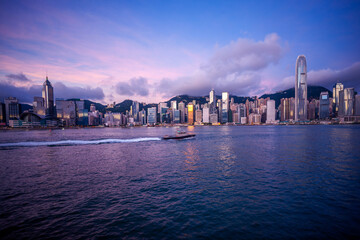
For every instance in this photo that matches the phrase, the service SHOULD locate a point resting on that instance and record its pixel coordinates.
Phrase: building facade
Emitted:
(301, 89)
(324, 105)
(48, 96)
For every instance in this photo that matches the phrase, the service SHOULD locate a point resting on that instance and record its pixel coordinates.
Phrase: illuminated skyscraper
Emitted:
(190, 108)
(225, 107)
(173, 105)
(300, 89)
(38, 106)
(336, 89)
(48, 96)
(212, 101)
(346, 102)
(212, 96)
(182, 111)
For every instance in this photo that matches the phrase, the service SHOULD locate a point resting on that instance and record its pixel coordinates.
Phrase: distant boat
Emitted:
(179, 135)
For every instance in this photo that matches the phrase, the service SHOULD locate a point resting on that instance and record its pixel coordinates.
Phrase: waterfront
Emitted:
(247, 182)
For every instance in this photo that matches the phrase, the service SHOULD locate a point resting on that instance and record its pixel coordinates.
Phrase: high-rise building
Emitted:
(324, 105)
(66, 112)
(134, 110)
(212, 101)
(190, 109)
(39, 106)
(92, 108)
(219, 105)
(162, 105)
(270, 111)
(151, 117)
(212, 97)
(142, 117)
(198, 116)
(176, 116)
(300, 89)
(213, 118)
(284, 109)
(292, 108)
(81, 113)
(312, 110)
(182, 112)
(225, 107)
(173, 105)
(12, 109)
(242, 110)
(2, 114)
(48, 96)
(336, 90)
(357, 105)
(346, 102)
(206, 115)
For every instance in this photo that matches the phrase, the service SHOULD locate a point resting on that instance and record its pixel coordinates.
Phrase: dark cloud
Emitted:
(20, 77)
(63, 91)
(234, 68)
(26, 94)
(136, 86)
(349, 76)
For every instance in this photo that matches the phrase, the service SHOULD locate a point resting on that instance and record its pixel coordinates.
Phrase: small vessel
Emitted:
(179, 135)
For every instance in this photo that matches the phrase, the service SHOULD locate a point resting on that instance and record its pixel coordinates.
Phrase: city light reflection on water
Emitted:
(227, 182)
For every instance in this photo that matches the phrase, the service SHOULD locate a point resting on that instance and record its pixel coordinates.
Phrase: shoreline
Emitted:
(173, 125)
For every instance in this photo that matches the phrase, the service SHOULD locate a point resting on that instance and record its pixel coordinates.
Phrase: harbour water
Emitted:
(247, 182)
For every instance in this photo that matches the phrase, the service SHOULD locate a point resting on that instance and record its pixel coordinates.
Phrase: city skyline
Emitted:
(150, 53)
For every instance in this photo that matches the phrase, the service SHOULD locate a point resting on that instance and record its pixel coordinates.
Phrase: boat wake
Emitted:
(77, 142)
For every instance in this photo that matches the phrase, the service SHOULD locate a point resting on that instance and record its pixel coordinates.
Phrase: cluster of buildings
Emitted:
(343, 106)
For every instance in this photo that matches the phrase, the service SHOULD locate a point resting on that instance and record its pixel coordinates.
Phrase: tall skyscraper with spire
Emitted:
(301, 89)
(48, 96)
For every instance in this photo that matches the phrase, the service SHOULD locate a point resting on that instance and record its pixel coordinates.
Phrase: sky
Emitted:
(149, 51)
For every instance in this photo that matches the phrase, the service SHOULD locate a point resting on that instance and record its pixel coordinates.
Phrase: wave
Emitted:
(77, 142)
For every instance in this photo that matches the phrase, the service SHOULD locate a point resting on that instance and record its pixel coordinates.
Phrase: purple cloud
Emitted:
(244, 55)
(328, 77)
(20, 77)
(136, 86)
(63, 91)
(26, 94)
(234, 68)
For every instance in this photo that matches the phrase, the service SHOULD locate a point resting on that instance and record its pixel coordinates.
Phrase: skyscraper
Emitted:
(336, 89)
(190, 108)
(300, 89)
(151, 117)
(12, 109)
(48, 96)
(182, 111)
(38, 106)
(225, 107)
(212, 101)
(134, 110)
(324, 105)
(346, 102)
(173, 105)
(270, 111)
